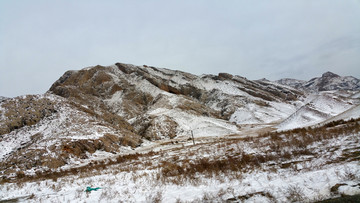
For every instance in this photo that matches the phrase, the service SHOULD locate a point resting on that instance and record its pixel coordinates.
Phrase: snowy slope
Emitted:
(353, 112)
(228, 95)
(252, 114)
(201, 126)
(222, 96)
(319, 108)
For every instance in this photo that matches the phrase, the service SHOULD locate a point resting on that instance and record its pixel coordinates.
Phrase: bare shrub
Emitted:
(295, 193)
(155, 198)
(348, 175)
(207, 197)
(20, 174)
(171, 169)
(104, 195)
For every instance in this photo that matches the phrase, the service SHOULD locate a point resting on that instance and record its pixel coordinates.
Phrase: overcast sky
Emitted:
(40, 40)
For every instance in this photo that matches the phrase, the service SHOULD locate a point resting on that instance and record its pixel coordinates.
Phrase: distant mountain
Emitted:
(327, 82)
(297, 84)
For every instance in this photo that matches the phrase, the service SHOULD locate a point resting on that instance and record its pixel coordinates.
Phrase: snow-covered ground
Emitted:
(142, 186)
(319, 175)
(252, 114)
(201, 126)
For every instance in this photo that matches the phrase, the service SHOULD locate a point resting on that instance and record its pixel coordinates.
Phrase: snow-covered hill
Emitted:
(111, 109)
(221, 97)
(133, 130)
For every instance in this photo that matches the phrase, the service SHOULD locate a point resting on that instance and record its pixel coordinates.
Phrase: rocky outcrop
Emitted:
(58, 155)
(24, 111)
(160, 127)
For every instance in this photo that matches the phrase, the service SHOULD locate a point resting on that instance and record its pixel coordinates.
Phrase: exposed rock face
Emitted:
(91, 87)
(328, 81)
(161, 127)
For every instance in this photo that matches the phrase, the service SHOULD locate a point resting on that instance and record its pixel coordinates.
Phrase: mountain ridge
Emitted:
(327, 82)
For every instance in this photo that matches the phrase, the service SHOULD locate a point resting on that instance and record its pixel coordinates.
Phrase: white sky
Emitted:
(40, 40)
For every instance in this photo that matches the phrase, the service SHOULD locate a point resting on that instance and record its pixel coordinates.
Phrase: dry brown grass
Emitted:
(124, 162)
(276, 150)
(303, 137)
(187, 169)
(26, 111)
(277, 147)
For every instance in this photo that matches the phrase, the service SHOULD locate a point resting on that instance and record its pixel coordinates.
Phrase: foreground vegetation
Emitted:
(224, 161)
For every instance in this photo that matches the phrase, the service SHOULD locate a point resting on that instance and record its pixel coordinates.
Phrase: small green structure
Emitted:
(89, 189)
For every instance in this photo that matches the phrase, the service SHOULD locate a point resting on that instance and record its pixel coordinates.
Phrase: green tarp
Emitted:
(89, 189)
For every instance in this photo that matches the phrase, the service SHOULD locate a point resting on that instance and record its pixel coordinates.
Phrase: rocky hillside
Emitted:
(327, 82)
(41, 132)
(137, 93)
(100, 111)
